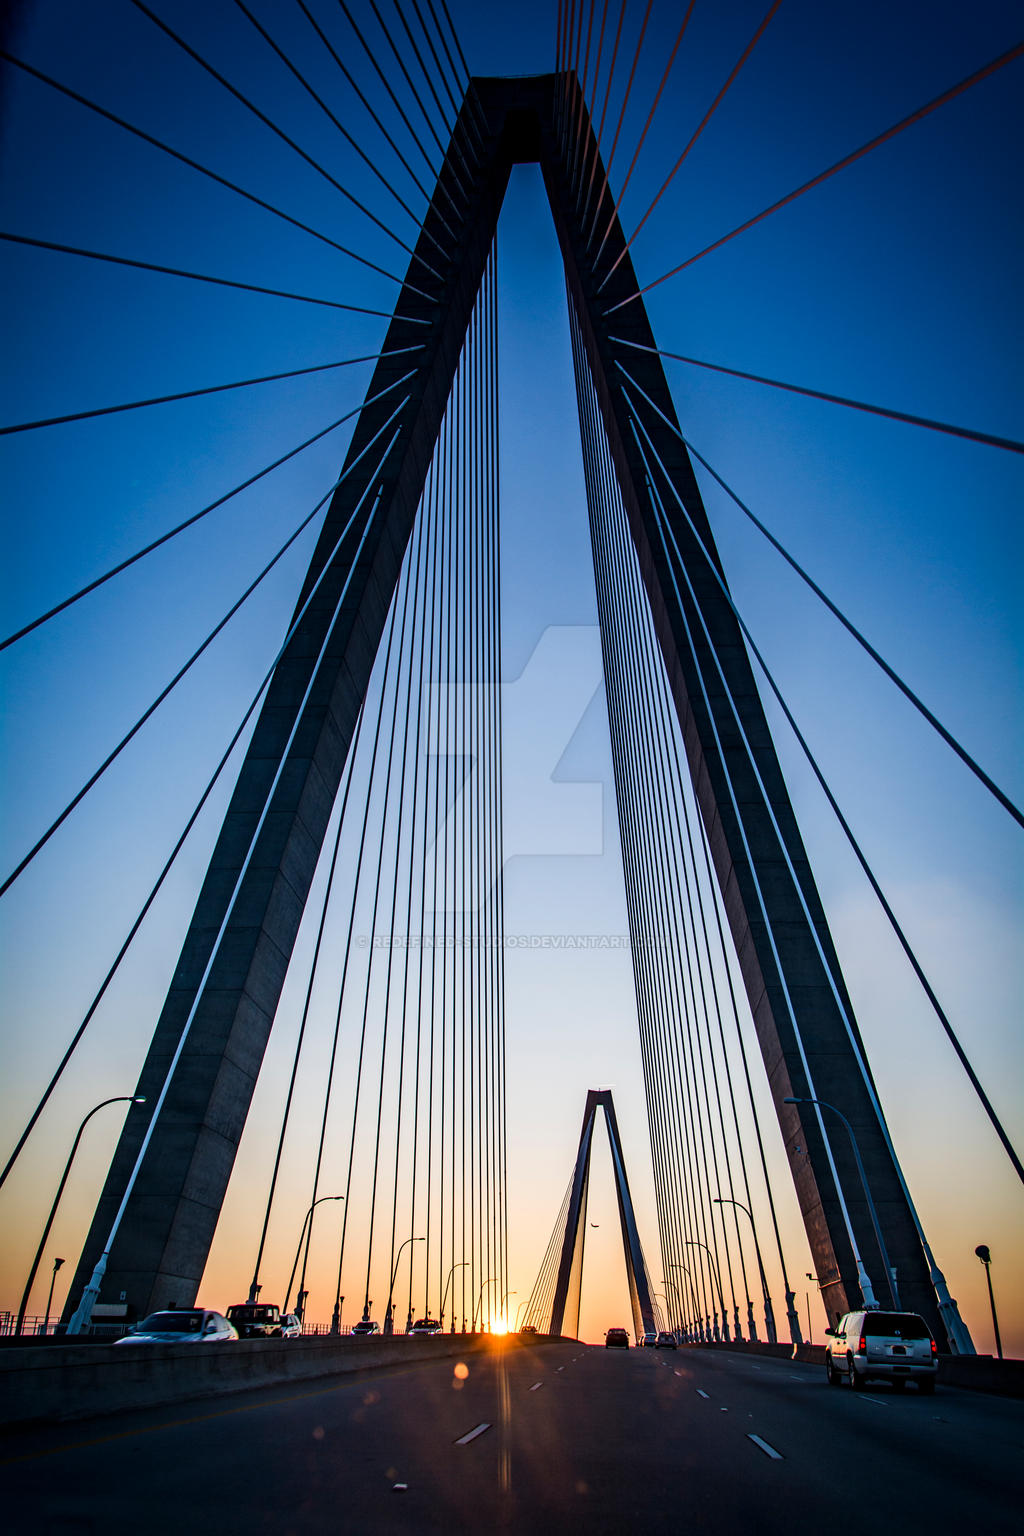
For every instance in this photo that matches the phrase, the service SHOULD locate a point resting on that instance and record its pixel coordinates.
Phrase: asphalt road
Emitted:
(543, 1441)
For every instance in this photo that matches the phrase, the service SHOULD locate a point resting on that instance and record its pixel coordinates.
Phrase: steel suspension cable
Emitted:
(170, 686)
(861, 858)
(429, 513)
(449, 127)
(399, 738)
(92, 1288)
(653, 991)
(123, 565)
(204, 277)
(667, 816)
(474, 113)
(301, 1035)
(417, 98)
(589, 234)
(366, 159)
(987, 438)
(744, 56)
(372, 57)
(367, 804)
(194, 165)
(431, 782)
(441, 75)
(693, 931)
(349, 139)
(190, 823)
(598, 135)
(582, 82)
(579, 170)
(893, 676)
(663, 523)
(415, 638)
(857, 154)
(640, 143)
(370, 110)
(185, 394)
(378, 888)
(471, 95)
(285, 138)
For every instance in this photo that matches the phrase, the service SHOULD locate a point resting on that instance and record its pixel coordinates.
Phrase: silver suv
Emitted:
(881, 1346)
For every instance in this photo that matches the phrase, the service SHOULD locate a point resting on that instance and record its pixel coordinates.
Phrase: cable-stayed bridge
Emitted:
(349, 900)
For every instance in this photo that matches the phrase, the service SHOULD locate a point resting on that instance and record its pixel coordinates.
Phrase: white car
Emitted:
(364, 1328)
(183, 1325)
(426, 1328)
(881, 1346)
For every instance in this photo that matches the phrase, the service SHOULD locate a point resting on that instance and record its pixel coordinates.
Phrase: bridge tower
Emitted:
(158, 1210)
(570, 1265)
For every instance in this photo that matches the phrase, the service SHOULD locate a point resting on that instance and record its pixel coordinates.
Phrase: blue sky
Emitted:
(894, 283)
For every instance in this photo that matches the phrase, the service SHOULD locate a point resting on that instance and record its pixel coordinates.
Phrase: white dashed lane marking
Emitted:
(769, 1450)
(701, 1393)
(536, 1385)
(473, 1433)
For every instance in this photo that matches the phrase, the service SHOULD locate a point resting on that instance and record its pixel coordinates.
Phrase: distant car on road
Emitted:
(529, 1329)
(647, 1341)
(364, 1328)
(882, 1346)
(616, 1338)
(426, 1328)
(184, 1325)
(665, 1340)
(256, 1319)
(291, 1325)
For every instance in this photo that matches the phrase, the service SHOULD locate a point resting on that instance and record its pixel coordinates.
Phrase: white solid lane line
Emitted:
(769, 1450)
(473, 1434)
(536, 1385)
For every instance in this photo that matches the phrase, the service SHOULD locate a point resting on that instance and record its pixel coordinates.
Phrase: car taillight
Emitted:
(862, 1347)
(935, 1350)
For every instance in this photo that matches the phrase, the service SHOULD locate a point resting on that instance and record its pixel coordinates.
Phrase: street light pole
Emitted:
(493, 1280)
(49, 1300)
(308, 1218)
(693, 1243)
(389, 1326)
(769, 1313)
(986, 1258)
(122, 1098)
(502, 1312)
(444, 1298)
(679, 1294)
(696, 1328)
(678, 1304)
(869, 1299)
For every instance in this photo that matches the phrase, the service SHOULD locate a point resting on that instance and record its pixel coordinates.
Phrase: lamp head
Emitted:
(983, 1253)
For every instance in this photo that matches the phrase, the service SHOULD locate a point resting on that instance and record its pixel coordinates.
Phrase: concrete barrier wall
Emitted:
(79, 1381)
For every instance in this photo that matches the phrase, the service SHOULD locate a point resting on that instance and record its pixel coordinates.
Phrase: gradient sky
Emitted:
(895, 282)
